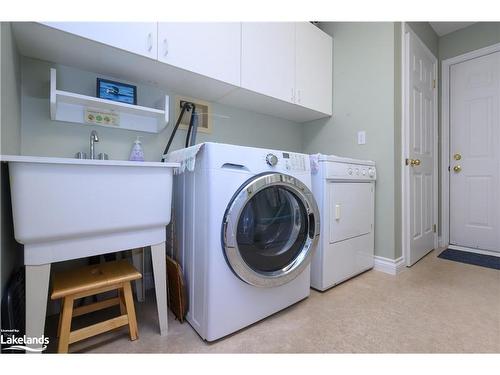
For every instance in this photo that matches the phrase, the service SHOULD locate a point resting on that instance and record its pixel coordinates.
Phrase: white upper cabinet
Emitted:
(313, 74)
(211, 49)
(268, 59)
(288, 61)
(279, 68)
(136, 37)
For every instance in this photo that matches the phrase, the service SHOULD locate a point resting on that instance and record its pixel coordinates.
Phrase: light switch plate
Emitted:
(361, 137)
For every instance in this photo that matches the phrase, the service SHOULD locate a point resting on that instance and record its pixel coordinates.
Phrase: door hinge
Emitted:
(433, 83)
(434, 228)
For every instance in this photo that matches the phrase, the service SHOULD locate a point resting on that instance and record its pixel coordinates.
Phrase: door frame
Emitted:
(444, 238)
(405, 142)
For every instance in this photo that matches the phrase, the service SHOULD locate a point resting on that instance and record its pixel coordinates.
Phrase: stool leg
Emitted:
(129, 304)
(67, 313)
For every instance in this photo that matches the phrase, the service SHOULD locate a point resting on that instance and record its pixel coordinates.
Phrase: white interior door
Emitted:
(474, 153)
(422, 167)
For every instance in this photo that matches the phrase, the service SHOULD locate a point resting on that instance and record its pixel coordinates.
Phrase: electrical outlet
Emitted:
(361, 137)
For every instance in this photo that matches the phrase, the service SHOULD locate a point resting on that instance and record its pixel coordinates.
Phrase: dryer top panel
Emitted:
(340, 168)
(341, 159)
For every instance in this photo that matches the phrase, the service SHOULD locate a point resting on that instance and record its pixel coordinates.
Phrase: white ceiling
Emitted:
(443, 28)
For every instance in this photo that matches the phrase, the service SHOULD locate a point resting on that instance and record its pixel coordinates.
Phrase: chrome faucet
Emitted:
(93, 138)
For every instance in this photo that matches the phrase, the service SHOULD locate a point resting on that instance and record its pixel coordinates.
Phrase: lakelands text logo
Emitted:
(22, 343)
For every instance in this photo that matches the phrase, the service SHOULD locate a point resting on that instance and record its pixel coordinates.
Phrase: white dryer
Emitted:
(344, 189)
(247, 226)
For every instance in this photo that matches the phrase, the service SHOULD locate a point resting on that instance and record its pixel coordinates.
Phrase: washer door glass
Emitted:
(272, 229)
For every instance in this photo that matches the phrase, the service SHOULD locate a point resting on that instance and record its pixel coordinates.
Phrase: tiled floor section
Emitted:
(435, 306)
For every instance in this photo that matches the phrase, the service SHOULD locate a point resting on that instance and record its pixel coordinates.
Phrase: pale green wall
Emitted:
(478, 35)
(427, 35)
(10, 125)
(363, 99)
(44, 137)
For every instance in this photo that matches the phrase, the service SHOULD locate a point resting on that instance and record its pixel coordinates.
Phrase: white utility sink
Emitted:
(71, 208)
(61, 204)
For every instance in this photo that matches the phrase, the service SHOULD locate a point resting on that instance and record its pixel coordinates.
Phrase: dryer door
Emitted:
(270, 230)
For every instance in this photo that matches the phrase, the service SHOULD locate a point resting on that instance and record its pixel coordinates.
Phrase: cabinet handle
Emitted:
(165, 42)
(150, 42)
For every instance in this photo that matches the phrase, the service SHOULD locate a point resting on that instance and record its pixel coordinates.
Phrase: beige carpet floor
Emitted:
(436, 306)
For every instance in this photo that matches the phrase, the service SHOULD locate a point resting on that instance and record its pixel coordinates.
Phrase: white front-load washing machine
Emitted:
(247, 225)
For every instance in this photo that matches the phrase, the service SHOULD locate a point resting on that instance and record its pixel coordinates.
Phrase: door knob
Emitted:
(457, 156)
(457, 168)
(416, 162)
(413, 162)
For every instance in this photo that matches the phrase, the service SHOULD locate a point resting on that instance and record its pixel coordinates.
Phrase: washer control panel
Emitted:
(287, 161)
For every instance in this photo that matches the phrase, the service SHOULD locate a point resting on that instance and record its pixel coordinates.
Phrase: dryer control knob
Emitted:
(371, 172)
(271, 159)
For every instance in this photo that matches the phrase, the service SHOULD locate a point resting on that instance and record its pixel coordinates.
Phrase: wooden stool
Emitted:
(87, 281)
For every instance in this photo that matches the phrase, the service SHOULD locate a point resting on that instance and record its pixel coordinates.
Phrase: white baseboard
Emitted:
(390, 266)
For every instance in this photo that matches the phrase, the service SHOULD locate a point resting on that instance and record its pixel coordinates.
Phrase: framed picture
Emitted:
(116, 91)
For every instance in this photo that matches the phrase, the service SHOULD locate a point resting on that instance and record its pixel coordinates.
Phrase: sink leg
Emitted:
(158, 255)
(138, 262)
(37, 288)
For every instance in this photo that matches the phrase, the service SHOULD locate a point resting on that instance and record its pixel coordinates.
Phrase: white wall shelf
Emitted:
(71, 107)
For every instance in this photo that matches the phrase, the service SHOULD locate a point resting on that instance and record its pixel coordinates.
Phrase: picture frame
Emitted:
(116, 91)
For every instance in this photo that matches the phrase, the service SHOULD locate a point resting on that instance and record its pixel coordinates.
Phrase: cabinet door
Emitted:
(268, 58)
(211, 49)
(136, 37)
(313, 79)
